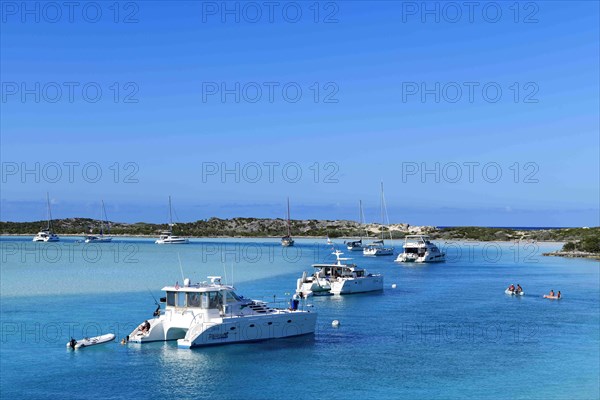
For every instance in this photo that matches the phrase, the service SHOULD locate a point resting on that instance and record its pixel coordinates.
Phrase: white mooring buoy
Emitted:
(335, 323)
(393, 286)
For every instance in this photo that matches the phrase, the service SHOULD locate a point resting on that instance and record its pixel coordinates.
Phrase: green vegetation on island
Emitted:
(578, 239)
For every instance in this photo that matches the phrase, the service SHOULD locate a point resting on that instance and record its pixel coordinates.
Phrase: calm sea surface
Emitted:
(447, 331)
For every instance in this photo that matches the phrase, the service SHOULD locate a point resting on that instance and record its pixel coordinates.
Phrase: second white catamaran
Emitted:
(338, 278)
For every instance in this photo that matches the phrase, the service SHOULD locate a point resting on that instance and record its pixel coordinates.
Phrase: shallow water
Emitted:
(447, 331)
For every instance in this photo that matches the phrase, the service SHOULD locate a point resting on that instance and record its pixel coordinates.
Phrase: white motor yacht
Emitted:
(47, 235)
(419, 249)
(212, 313)
(338, 278)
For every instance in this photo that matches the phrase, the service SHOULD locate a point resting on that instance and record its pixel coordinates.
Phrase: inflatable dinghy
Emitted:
(512, 293)
(87, 342)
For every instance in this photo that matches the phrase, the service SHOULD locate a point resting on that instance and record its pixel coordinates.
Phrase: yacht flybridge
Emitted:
(419, 249)
(167, 237)
(338, 278)
(47, 235)
(211, 313)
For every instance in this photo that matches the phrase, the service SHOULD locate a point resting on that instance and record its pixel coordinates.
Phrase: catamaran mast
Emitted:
(382, 216)
(288, 217)
(170, 216)
(49, 212)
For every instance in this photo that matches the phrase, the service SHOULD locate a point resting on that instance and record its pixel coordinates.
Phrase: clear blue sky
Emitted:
(374, 57)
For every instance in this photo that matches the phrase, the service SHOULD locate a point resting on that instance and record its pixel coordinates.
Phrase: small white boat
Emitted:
(514, 293)
(47, 235)
(93, 341)
(167, 237)
(329, 241)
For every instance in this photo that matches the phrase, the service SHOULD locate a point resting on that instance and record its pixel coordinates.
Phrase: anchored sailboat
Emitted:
(357, 245)
(287, 240)
(47, 235)
(101, 238)
(377, 248)
(167, 237)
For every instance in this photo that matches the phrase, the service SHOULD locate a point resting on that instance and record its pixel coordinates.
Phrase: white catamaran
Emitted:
(47, 235)
(167, 237)
(101, 238)
(205, 314)
(340, 277)
(378, 248)
(287, 240)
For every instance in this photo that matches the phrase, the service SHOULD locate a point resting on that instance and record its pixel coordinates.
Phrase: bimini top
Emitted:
(214, 285)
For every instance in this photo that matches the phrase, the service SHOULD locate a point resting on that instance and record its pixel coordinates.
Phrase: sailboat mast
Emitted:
(288, 217)
(170, 213)
(382, 215)
(360, 217)
(103, 219)
(49, 212)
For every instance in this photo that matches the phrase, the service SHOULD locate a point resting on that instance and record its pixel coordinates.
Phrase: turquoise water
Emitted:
(447, 331)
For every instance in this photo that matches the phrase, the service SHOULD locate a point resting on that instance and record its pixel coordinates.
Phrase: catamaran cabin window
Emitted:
(193, 299)
(171, 299)
(180, 299)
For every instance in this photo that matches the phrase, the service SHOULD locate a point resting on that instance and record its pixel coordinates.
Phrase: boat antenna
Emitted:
(155, 302)
(180, 267)
(225, 272)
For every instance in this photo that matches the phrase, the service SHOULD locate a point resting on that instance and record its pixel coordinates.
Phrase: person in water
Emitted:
(72, 343)
(558, 295)
(550, 296)
(519, 289)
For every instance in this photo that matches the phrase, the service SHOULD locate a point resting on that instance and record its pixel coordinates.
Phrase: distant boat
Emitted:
(357, 245)
(329, 241)
(101, 238)
(167, 237)
(419, 249)
(287, 240)
(378, 248)
(47, 235)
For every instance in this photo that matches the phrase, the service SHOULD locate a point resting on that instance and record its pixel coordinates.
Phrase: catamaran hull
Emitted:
(236, 330)
(47, 239)
(378, 252)
(174, 241)
(360, 285)
(427, 258)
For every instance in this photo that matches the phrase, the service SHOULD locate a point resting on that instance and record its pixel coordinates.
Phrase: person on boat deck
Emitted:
(145, 326)
(511, 287)
(156, 312)
(519, 288)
